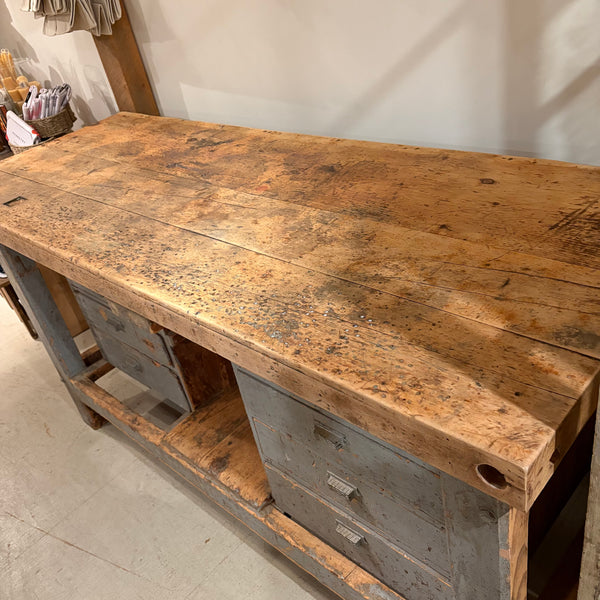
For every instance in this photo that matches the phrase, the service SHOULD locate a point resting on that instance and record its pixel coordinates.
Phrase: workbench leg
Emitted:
(589, 578)
(487, 542)
(518, 539)
(33, 293)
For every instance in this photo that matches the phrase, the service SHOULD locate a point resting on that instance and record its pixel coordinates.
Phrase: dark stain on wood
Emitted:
(219, 464)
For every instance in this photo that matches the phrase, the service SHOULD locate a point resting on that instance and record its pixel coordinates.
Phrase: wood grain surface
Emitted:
(447, 302)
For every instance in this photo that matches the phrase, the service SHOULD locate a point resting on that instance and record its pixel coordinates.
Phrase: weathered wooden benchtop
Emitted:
(446, 302)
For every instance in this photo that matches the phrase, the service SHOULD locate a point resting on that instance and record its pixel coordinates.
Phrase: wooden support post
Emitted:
(33, 293)
(125, 69)
(589, 579)
(518, 534)
(65, 300)
(487, 544)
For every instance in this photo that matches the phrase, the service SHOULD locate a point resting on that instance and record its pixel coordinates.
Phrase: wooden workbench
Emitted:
(445, 303)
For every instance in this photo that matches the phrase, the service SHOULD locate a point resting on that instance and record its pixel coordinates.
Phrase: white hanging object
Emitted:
(64, 16)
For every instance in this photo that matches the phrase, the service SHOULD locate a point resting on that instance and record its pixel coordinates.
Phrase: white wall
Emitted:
(51, 60)
(519, 76)
(514, 76)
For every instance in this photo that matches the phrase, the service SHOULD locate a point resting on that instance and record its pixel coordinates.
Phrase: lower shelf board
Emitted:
(218, 440)
(213, 449)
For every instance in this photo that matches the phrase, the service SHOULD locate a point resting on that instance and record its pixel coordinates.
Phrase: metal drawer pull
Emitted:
(333, 437)
(349, 534)
(341, 487)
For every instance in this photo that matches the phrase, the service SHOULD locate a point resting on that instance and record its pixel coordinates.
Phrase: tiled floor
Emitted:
(86, 515)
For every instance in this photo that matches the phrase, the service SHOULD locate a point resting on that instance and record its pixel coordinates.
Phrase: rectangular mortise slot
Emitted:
(14, 200)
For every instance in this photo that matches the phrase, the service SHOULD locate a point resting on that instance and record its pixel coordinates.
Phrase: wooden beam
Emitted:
(125, 69)
(65, 300)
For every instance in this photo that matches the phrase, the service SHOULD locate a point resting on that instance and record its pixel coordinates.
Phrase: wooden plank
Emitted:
(392, 311)
(589, 581)
(48, 322)
(125, 69)
(97, 369)
(518, 554)
(510, 425)
(91, 355)
(197, 435)
(236, 463)
(462, 195)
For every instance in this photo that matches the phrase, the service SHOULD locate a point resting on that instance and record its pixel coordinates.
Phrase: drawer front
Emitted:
(139, 366)
(122, 324)
(397, 569)
(404, 478)
(424, 539)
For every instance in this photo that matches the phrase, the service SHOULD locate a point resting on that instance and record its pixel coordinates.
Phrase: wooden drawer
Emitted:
(139, 366)
(373, 553)
(409, 481)
(122, 324)
(137, 346)
(423, 538)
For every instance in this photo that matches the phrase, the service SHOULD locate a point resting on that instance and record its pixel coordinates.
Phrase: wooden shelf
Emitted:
(215, 441)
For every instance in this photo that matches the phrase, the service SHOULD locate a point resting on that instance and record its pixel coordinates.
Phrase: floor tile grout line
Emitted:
(210, 573)
(94, 493)
(60, 396)
(76, 547)
(46, 533)
(29, 546)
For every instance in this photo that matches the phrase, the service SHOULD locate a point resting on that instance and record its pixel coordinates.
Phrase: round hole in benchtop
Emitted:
(492, 476)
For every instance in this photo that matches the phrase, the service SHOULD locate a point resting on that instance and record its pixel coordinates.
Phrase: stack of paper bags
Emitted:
(64, 16)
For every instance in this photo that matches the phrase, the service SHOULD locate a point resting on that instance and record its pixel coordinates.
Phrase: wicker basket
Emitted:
(55, 125)
(19, 149)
